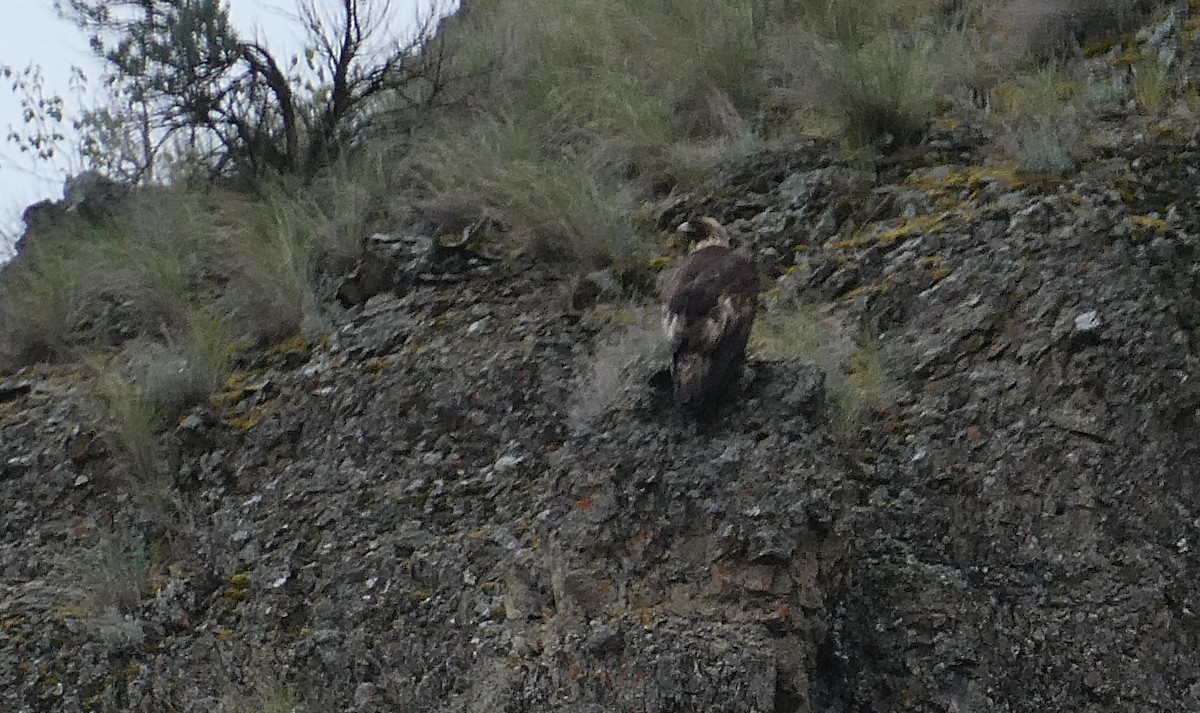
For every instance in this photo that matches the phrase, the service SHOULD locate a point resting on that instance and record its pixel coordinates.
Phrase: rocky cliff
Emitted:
(472, 495)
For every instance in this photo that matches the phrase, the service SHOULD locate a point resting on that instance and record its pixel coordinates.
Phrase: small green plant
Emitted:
(271, 699)
(1151, 87)
(868, 388)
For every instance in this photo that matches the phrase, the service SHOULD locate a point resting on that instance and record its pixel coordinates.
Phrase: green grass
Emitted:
(1151, 87)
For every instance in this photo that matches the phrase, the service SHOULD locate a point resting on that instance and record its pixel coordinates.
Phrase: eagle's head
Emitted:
(705, 231)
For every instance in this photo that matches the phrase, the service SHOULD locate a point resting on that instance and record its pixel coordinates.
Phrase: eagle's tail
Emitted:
(703, 379)
(691, 377)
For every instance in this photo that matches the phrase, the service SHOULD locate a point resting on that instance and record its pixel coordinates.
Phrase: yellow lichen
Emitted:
(881, 233)
(946, 123)
(225, 634)
(1129, 57)
(1190, 26)
(1098, 47)
(873, 289)
(233, 392)
(659, 262)
(77, 610)
(1147, 223)
(912, 226)
(236, 590)
(250, 420)
(293, 345)
(376, 365)
(971, 178)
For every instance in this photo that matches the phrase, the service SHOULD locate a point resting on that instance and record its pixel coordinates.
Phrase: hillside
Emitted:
(961, 475)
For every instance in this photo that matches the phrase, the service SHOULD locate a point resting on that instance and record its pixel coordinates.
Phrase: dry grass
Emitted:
(857, 379)
(1047, 28)
(1036, 116)
(272, 291)
(114, 573)
(581, 100)
(132, 418)
(186, 370)
(38, 307)
(164, 258)
(882, 70)
(563, 207)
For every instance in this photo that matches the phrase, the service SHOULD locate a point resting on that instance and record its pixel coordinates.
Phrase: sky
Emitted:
(32, 33)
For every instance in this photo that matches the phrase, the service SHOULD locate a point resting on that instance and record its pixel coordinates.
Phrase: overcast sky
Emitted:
(31, 32)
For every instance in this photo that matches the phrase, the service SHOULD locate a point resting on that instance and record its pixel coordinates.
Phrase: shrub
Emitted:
(113, 573)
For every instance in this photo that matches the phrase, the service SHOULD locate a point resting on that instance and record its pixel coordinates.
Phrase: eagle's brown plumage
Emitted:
(709, 301)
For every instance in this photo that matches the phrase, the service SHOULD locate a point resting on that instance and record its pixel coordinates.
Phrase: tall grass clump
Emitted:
(566, 208)
(103, 282)
(38, 307)
(883, 71)
(188, 368)
(132, 417)
(360, 194)
(271, 291)
(578, 99)
(1036, 118)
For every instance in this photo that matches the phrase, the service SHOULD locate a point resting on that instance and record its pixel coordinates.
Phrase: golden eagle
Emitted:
(710, 297)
